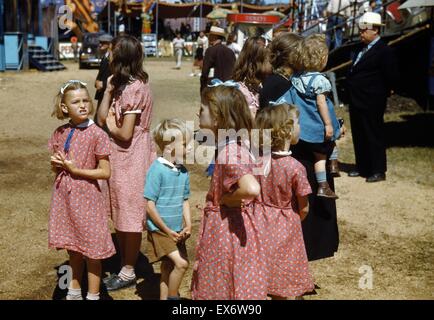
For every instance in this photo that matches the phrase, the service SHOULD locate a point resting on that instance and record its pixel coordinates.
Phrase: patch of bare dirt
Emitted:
(387, 226)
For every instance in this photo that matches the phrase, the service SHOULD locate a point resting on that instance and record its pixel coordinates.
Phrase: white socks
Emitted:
(127, 274)
(92, 296)
(75, 294)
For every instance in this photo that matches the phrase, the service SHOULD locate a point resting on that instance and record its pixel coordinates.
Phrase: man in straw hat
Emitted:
(370, 80)
(219, 60)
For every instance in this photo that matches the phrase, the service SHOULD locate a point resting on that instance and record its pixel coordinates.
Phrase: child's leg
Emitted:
(76, 262)
(166, 268)
(175, 276)
(120, 237)
(94, 278)
(132, 248)
(321, 177)
(320, 167)
(129, 243)
(334, 166)
(335, 154)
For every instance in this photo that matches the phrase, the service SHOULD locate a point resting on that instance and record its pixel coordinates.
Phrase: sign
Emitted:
(66, 51)
(254, 18)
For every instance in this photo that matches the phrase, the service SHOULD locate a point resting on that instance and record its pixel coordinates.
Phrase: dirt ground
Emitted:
(386, 228)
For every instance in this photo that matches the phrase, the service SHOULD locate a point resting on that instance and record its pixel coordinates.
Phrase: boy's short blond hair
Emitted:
(160, 132)
(313, 53)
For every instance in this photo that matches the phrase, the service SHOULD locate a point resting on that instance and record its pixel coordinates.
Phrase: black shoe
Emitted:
(116, 283)
(353, 174)
(376, 177)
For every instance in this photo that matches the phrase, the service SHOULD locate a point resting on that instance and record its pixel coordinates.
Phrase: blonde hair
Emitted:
(60, 98)
(160, 132)
(280, 120)
(285, 51)
(229, 107)
(313, 53)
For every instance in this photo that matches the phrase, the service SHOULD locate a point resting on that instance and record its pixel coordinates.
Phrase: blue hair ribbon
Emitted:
(228, 83)
(278, 102)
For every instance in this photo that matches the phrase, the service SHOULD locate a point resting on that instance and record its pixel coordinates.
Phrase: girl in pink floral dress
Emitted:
(126, 109)
(284, 190)
(78, 220)
(229, 263)
(251, 68)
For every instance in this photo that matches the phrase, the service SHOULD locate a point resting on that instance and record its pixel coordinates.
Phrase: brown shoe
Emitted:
(334, 168)
(325, 191)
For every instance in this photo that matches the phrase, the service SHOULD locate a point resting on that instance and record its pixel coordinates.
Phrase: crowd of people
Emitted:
(271, 206)
(339, 14)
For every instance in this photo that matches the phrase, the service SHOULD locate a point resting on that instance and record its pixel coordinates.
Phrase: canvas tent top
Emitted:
(187, 10)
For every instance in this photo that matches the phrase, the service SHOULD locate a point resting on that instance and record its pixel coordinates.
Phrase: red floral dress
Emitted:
(288, 269)
(230, 262)
(131, 160)
(78, 219)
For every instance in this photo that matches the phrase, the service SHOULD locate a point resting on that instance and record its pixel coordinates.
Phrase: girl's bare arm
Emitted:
(248, 189)
(126, 131)
(105, 103)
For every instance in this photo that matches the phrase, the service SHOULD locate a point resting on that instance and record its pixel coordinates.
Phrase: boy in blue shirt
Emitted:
(167, 190)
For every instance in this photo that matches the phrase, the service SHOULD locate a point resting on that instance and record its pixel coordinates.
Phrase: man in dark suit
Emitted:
(104, 70)
(370, 80)
(218, 59)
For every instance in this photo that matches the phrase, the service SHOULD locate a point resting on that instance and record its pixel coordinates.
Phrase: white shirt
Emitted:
(203, 42)
(235, 47)
(178, 43)
(336, 6)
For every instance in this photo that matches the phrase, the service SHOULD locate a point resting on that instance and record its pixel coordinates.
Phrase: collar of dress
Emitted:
(87, 123)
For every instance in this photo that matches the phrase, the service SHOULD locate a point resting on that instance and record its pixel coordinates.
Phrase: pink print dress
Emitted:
(230, 262)
(130, 160)
(78, 219)
(251, 98)
(288, 269)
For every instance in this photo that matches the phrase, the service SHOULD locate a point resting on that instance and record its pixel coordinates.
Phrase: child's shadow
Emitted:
(147, 289)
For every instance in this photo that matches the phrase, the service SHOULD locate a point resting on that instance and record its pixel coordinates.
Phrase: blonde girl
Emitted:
(78, 221)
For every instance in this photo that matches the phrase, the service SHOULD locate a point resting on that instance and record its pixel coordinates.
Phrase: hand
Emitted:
(109, 87)
(303, 215)
(328, 131)
(111, 120)
(185, 233)
(98, 84)
(175, 236)
(227, 201)
(59, 160)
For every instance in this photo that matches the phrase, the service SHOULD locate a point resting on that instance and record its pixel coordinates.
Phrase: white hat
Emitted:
(370, 19)
(217, 31)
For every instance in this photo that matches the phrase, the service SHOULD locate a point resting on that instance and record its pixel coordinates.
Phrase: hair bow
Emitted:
(278, 102)
(69, 82)
(228, 83)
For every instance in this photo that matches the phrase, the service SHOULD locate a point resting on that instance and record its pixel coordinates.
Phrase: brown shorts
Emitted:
(160, 245)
